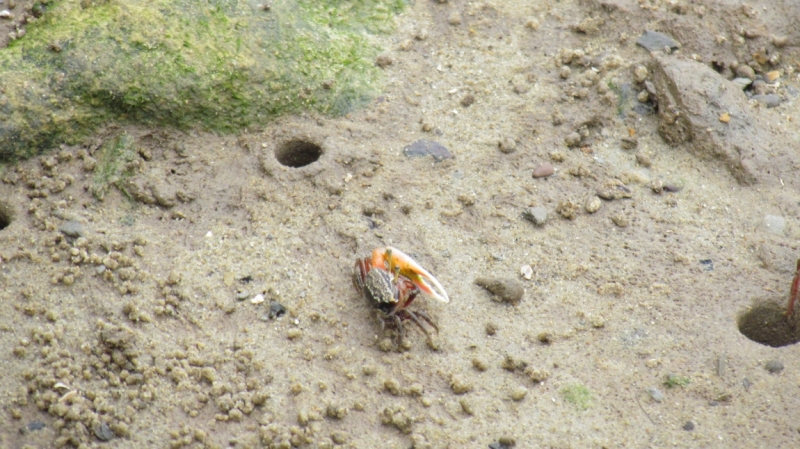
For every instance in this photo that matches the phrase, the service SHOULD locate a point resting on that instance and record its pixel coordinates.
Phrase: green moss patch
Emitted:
(577, 395)
(222, 65)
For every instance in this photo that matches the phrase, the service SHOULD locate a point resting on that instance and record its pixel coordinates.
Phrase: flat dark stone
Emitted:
(103, 432)
(32, 426)
(769, 100)
(424, 147)
(276, 310)
(653, 40)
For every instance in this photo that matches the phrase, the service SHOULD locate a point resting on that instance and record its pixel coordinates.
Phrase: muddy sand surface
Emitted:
(141, 272)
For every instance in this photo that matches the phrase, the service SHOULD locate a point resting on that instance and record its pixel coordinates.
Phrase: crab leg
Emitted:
(794, 292)
(401, 264)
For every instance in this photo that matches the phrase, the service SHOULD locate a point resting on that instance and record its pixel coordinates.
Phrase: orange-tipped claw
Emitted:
(400, 264)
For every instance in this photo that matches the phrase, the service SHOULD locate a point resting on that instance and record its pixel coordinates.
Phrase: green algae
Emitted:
(221, 65)
(577, 395)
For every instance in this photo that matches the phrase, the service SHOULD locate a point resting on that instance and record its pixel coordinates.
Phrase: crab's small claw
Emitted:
(400, 264)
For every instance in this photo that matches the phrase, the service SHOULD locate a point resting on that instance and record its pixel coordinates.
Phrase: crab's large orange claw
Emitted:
(399, 263)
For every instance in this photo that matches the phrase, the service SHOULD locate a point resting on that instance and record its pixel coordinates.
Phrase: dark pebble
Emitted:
(689, 426)
(498, 445)
(276, 310)
(708, 264)
(72, 228)
(103, 432)
(32, 426)
(774, 366)
(467, 100)
(769, 100)
(653, 40)
(424, 147)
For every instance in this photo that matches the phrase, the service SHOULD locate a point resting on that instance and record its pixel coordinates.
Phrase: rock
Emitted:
(742, 82)
(654, 41)
(775, 224)
(467, 100)
(689, 426)
(592, 204)
(745, 71)
(503, 290)
(276, 310)
(691, 97)
(423, 147)
(103, 432)
(72, 229)
(656, 394)
(774, 366)
(544, 170)
(507, 145)
(536, 215)
(769, 100)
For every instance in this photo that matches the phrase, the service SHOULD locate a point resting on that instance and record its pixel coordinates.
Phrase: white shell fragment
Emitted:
(526, 271)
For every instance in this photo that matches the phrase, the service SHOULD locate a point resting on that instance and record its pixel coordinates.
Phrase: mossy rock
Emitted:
(221, 65)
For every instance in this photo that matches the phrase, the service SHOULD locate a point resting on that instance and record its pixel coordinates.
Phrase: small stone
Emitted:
(519, 393)
(276, 310)
(257, 299)
(533, 24)
(745, 71)
(593, 204)
(383, 60)
(491, 329)
(454, 19)
(339, 436)
(656, 394)
(503, 290)
(655, 41)
(466, 406)
(620, 220)
(526, 271)
(6, 14)
(545, 338)
(507, 145)
(742, 82)
(780, 41)
(657, 185)
(423, 147)
(72, 228)
(772, 75)
(507, 441)
(103, 432)
(536, 215)
(640, 74)
(643, 160)
(467, 100)
(689, 426)
(725, 117)
(294, 334)
(565, 72)
(768, 100)
(544, 170)
(774, 366)
(774, 224)
(573, 139)
(643, 96)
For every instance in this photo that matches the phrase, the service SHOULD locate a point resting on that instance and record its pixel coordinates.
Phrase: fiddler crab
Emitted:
(794, 293)
(391, 280)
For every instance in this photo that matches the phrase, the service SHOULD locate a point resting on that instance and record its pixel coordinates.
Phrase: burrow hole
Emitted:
(766, 323)
(298, 153)
(5, 216)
